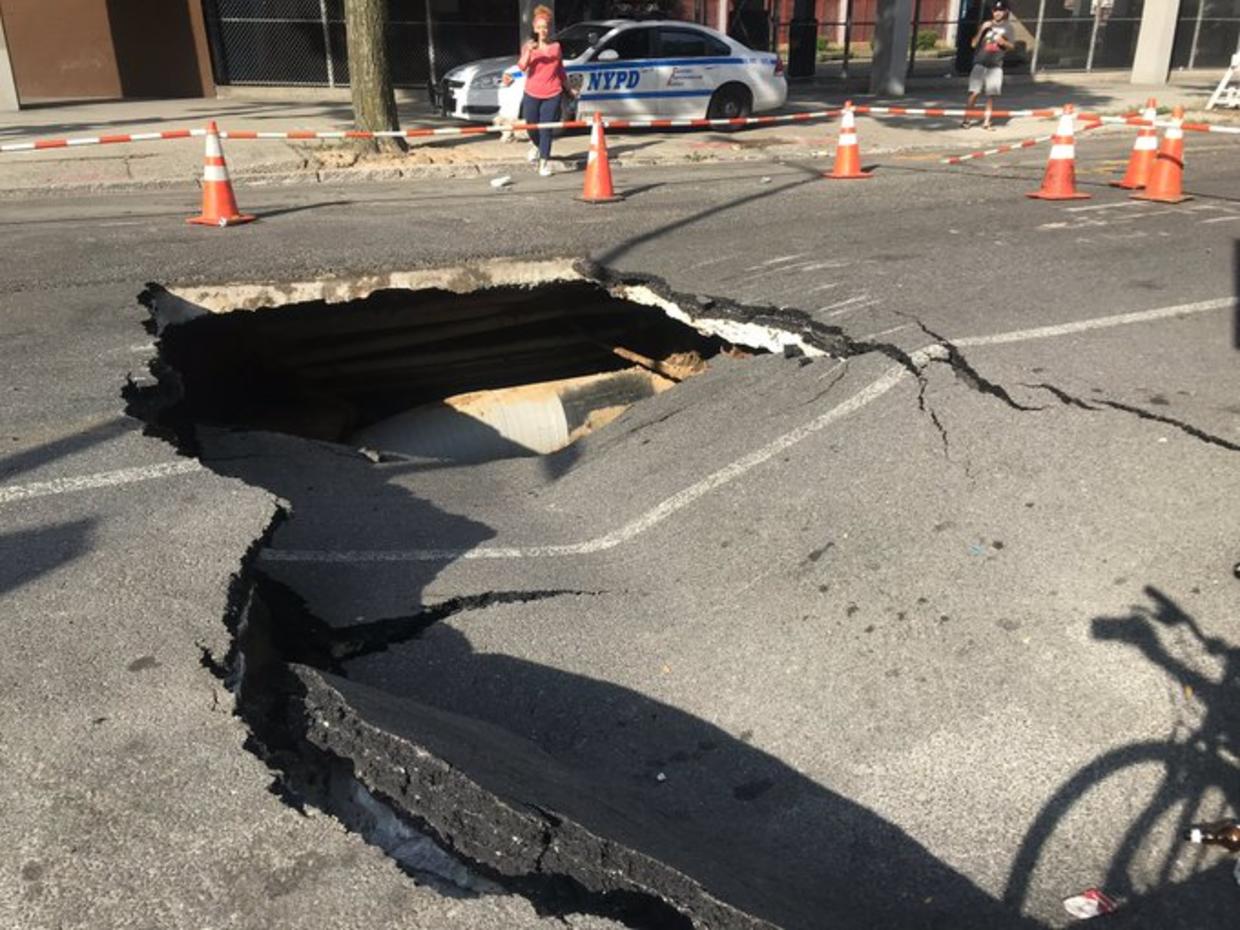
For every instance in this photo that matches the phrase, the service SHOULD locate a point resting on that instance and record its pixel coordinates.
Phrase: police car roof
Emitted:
(614, 23)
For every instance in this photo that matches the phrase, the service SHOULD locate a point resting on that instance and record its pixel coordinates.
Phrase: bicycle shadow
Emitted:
(1196, 763)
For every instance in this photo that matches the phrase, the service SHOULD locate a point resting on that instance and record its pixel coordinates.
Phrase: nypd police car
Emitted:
(631, 69)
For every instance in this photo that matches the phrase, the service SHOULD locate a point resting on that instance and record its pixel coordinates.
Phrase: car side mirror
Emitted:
(608, 54)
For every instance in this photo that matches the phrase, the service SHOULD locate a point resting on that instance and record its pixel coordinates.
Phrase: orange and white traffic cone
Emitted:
(1167, 175)
(597, 187)
(219, 206)
(1143, 151)
(847, 151)
(1059, 181)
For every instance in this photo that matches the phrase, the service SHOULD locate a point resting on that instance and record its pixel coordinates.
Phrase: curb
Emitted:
(389, 173)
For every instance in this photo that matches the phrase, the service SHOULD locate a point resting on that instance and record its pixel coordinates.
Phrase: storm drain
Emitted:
(504, 361)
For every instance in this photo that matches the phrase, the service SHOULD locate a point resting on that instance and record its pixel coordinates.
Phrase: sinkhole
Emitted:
(507, 360)
(464, 364)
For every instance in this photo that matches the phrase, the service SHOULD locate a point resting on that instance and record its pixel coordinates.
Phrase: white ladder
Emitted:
(1227, 94)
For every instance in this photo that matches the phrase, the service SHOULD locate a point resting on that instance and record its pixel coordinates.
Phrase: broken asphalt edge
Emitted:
(305, 720)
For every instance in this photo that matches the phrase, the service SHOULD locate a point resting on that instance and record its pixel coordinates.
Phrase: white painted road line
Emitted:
(1105, 322)
(107, 479)
(678, 501)
(645, 521)
(684, 498)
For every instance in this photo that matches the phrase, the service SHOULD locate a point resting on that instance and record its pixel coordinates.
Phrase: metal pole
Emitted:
(912, 46)
(1093, 36)
(1037, 38)
(848, 13)
(431, 78)
(1192, 54)
(327, 44)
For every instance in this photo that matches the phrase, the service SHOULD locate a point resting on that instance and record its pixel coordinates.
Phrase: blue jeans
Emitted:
(536, 110)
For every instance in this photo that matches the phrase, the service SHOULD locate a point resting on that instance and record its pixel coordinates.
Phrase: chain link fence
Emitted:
(1051, 35)
(304, 43)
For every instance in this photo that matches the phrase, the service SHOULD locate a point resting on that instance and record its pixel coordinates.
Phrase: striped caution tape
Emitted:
(1009, 147)
(961, 112)
(614, 124)
(422, 132)
(997, 150)
(1160, 124)
(101, 140)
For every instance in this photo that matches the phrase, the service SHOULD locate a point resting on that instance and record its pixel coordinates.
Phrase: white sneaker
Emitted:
(544, 168)
(532, 155)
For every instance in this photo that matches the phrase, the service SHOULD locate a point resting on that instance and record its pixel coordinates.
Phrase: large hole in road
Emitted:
(451, 365)
(519, 360)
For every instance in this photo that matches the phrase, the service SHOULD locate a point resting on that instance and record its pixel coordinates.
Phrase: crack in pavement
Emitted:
(965, 371)
(1196, 432)
(302, 637)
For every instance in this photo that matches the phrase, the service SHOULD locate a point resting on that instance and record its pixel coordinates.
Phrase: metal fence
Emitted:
(1207, 33)
(303, 42)
(1086, 35)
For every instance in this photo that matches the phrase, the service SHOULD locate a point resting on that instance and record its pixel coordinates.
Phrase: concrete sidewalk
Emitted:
(179, 162)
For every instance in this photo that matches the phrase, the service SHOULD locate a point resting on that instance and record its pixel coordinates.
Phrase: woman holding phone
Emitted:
(545, 82)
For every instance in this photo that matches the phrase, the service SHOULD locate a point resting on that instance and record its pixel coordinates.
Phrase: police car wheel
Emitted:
(731, 101)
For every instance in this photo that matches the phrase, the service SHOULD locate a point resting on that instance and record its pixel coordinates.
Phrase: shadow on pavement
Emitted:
(666, 785)
(28, 554)
(1197, 770)
(622, 248)
(37, 456)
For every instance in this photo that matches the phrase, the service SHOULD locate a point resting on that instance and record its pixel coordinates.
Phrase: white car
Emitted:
(632, 69)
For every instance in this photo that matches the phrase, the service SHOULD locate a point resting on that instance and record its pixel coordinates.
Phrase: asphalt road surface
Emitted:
(934, 631)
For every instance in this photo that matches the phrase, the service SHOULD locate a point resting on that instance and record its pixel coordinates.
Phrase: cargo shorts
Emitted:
(988, 80)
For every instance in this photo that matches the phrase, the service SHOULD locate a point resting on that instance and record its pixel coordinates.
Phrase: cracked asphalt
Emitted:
(907, 648)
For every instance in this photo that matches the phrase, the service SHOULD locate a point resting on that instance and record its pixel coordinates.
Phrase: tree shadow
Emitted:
(701, 809)
(1194, 763)
(623, 248)
(301, 208)
(42, 454)
(28, 554)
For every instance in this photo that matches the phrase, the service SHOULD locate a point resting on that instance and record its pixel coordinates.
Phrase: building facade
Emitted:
(79, 49)
(105, 49)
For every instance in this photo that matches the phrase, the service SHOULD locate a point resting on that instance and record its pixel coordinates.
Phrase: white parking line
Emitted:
(728, 473)
(851, 305)
(886, 332)
(106, 479)
(656, 514)
(645, 521)
(1105, 322)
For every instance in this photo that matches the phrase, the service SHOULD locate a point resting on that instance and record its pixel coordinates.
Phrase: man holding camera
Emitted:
(994, 39)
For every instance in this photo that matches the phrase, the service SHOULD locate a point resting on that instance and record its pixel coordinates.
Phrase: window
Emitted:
(689, 43)
(632, 44)
(577, 38)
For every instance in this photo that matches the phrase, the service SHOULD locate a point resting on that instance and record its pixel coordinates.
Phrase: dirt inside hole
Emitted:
(430, 374)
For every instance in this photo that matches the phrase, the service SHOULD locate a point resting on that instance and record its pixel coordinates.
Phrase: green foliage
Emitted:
(927, 39)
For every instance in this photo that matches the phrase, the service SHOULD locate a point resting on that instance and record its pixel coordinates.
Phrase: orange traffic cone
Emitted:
(219, 206)
(597, 187)
(1059, 182)
(1167, 175)
(1143, 151)
(847, 151)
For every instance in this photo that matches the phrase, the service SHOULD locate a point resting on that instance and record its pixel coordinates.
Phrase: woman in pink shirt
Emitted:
(545, 82)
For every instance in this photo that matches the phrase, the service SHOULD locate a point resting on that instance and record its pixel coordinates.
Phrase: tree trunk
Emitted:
(370, 76)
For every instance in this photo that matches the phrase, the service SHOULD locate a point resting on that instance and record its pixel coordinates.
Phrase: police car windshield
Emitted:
(578, 37)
